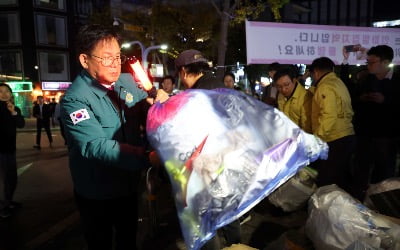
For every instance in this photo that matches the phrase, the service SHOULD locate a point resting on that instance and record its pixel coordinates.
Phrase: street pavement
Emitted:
(48, 218)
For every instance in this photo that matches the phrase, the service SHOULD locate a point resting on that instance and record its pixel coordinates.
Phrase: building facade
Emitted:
(37, 54)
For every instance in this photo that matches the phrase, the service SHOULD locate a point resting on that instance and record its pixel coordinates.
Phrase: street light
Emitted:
(145, 51)
(129, 44)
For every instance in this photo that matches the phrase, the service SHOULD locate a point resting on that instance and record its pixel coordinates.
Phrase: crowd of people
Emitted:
(103, 117)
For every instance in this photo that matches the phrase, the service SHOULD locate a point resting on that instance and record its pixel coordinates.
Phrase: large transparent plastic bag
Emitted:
(224, 152)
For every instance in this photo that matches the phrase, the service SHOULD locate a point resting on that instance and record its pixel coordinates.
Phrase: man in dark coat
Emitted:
(42, 112)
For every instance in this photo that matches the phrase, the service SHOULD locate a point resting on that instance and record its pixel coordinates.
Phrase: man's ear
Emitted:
(83, 60)
(386, 62)
(185, 74)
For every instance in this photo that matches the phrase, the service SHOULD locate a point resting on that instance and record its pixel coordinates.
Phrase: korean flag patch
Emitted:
(79, 115)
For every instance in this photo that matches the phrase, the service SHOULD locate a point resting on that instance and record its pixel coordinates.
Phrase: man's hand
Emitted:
(162, 96)
(376, 97)
(345, 54)
(135, 150)
(11, 108)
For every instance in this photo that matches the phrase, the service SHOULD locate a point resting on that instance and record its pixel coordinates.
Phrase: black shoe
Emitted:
(5, 213)
(14, 205)
(36, 146)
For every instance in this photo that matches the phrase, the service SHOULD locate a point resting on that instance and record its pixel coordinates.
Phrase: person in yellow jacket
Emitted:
(331, 118)
(293, 99)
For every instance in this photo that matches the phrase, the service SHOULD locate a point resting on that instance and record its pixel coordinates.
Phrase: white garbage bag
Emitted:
(336, 221)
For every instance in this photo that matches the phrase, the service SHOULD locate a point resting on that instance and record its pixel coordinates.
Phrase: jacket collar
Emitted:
(93, 84)
(323, 76)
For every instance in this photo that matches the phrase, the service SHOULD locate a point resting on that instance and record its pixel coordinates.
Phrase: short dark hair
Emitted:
(89, 35)
(384, 52)
(168, 77)
(274, 66)
(323, 64)
(286, 71)
(229, 74)
(196, 68)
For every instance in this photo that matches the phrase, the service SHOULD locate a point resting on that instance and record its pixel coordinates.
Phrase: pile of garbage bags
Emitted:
(338, 221)
(224, 152)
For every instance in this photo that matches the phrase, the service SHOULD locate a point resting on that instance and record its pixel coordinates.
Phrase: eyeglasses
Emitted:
(108, 61)
(371, 62)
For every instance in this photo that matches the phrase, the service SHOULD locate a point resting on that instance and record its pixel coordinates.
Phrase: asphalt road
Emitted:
(45, 191)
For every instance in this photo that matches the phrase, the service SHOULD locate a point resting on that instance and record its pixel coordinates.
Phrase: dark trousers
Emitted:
(375, 161)
(102, 219)
(337, 168)
(40, 123)
(8, 176)
(232, 235)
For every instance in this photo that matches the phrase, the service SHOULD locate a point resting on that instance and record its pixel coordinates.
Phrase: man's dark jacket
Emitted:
(208, 81)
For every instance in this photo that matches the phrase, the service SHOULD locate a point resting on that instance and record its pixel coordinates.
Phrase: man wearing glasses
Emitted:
(375, 120)
(104, 157)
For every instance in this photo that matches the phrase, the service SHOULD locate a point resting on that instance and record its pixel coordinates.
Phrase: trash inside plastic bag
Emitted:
(338, 221)
(294, 194)
(359, 245)
(224, 152)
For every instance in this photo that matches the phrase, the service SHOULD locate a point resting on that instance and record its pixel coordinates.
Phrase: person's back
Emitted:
(332, 115)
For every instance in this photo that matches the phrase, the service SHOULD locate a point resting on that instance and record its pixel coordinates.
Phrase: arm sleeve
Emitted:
(89, 139)
(306, 113)
(328, 111)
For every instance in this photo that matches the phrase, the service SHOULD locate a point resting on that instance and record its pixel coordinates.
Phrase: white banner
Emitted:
(288, 43)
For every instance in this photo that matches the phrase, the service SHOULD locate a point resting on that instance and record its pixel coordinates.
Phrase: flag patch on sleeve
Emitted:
(79, 115)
